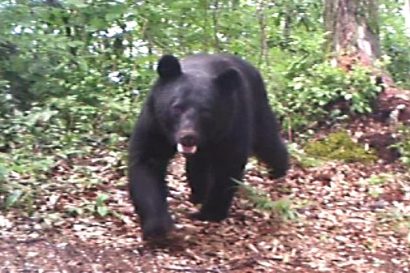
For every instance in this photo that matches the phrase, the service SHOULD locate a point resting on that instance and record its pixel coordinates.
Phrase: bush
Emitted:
(309, 97)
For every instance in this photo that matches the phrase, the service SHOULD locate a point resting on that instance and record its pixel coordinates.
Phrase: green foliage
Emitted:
(17, 188)
(101, 208)
(375, 183)
(395, 42)
(339, 146)
(3, 173)
(18, 196)
(97, 207)
(311, 95)
(302, 158)
(58, 95)
(398, 218)
(261, 200)
(378, 180)
(404, 144)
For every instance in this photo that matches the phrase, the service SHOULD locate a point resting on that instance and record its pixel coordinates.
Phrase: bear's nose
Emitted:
(188, 139)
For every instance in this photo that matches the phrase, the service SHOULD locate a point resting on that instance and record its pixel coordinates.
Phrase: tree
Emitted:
(353, 28)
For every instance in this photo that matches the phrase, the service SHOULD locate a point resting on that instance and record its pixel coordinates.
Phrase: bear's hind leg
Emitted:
(198, 171)
(219, 200)
(269, 147)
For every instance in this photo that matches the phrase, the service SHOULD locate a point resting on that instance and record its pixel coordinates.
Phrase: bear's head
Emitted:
(194, 106)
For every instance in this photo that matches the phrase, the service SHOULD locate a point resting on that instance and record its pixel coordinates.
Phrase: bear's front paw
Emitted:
(157, 228)
(204, 215)
(278, 173)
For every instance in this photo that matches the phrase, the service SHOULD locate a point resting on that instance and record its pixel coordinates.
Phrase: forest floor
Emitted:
(346, 218)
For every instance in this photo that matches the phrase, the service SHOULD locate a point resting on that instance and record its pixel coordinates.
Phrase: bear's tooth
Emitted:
(180, 148)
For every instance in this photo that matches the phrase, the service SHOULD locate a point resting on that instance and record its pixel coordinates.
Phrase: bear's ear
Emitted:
(228, 80)
(169, 67)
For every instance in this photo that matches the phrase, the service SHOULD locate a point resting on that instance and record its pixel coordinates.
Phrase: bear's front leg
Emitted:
(198, 171)
(148, 193)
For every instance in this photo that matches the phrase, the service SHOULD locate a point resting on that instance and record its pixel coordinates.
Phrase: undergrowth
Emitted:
(262, 202)
(403, 145)
(340, 146)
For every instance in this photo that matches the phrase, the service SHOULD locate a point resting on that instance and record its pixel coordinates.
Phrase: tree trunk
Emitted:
(353, 29)
(260, 11)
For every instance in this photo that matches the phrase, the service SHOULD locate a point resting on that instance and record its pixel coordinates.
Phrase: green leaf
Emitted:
(98, 23)
(3, 173)
(103, 211)
(115, 12)
(102, 198)
(77, 3)
(12, 198)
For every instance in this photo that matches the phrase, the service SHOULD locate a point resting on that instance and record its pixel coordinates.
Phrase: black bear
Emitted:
(215, 110)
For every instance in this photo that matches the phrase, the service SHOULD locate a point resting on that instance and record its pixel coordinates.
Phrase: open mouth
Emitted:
(186, 149)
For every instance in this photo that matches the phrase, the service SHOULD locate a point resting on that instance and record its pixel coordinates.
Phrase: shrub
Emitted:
(309, 96)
